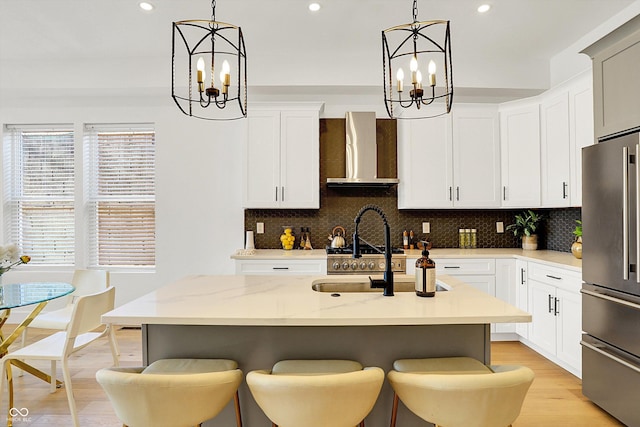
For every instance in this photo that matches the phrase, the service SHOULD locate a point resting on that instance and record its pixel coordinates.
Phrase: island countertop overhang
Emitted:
(291, 301)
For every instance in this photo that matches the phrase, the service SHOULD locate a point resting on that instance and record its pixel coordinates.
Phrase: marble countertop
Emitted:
(291, 301)
(554, 258)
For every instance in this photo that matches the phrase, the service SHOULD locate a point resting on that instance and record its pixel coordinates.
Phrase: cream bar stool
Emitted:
(172, 392)
(459, 391)
(316, 393)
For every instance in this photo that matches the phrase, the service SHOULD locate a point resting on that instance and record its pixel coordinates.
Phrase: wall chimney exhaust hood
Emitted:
(361, 154)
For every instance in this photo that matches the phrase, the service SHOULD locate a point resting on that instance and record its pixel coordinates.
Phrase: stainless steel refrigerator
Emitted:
(611, 275)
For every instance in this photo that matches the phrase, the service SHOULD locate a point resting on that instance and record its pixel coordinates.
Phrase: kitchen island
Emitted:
(258, 320)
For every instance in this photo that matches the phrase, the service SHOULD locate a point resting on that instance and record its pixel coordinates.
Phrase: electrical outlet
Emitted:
(260, 228)
(499, 227)
(426, 228)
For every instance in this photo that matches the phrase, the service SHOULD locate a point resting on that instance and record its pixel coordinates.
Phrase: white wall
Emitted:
(570, 61)
(199, 221)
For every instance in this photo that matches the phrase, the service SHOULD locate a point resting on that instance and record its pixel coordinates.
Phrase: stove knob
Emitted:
(345, 265)
(336, 265)
(363, 265)
(372, 265)
(393, 264)
(381, 265)
(354, 265)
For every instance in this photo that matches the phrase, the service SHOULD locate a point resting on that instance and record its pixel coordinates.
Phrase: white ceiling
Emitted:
(74, 43)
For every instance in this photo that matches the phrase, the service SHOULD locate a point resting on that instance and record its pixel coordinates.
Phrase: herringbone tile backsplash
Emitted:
(339, 206)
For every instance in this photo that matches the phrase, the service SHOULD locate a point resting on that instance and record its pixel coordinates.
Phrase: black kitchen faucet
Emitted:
(387, 281)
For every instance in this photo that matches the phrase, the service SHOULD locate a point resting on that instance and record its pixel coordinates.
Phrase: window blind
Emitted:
(121, 199)
(39, 192)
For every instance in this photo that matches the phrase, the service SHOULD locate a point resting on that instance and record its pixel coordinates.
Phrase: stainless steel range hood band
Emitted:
(361, 154)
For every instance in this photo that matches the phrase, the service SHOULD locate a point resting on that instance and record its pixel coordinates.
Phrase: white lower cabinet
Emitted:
(506, 290)
(522, 295)
(555, 306)
(276, 267)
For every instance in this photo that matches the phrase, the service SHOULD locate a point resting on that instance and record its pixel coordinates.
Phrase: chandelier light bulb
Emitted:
(432, 73)
(413, 65)
(201, 72)
(400, 78)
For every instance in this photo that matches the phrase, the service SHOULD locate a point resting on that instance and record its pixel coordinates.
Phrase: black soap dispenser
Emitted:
(425, 273)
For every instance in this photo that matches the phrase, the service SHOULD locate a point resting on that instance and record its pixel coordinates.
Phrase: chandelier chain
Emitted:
(213, 10)
(415, 11)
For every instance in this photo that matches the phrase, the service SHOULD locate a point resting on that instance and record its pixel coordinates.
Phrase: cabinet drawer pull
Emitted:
(451, 266)
(280, 268)
(554, 277)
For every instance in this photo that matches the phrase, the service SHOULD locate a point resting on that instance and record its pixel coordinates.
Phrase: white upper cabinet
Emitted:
(476, 157)
(450, 161)
(582, 132)
(567, 127)
(554, 114)
(282, 158)
(520, 153)
(425, 167)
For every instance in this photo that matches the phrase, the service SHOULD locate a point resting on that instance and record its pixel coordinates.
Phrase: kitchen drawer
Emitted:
(468, 266)
(566, 279)
(303, 267)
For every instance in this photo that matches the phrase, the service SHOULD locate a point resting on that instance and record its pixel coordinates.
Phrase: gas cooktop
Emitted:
(364, 250)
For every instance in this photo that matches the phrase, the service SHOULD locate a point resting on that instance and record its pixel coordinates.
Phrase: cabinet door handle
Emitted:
(458, 193)
(504, 192)
(564, 190)
(555, 307)
(280, 268)
(551, 308)
(283, 194)
(276, 194)
(450, 194)
(554, 277)
(522, 276)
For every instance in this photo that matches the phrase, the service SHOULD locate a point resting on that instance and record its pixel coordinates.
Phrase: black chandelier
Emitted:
(209, 46)
(417, 44)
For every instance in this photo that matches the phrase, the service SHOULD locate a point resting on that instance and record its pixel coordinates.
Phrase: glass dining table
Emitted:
(19, 295)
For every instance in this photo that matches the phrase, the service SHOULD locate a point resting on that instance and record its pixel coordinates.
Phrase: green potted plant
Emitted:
(576, 247)
(525, 227)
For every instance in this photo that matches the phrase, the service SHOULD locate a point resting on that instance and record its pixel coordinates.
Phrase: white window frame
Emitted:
(145, 257)
(15, 193)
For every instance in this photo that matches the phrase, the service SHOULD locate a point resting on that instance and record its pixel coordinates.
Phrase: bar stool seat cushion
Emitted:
(316, 393)
(172, 392)
(460, 393)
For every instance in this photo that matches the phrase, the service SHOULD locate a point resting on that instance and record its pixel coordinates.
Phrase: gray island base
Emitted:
(259, 347)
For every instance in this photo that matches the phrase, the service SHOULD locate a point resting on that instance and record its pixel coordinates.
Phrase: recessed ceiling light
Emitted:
(314, 7)
(146, 6)
(484, 8)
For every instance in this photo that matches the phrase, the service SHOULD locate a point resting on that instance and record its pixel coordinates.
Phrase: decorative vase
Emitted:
(530, 243)
(576, 248)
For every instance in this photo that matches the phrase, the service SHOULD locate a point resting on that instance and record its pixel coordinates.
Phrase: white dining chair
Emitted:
(86, 282)
(85, 319)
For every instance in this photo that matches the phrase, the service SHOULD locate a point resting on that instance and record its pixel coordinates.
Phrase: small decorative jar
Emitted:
(287, 238)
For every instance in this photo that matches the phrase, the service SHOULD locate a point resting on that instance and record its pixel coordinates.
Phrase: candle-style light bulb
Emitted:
(201, 72)
(413, 66)
(227, 73)
(400, 78)
(432, 73)
(419, 79)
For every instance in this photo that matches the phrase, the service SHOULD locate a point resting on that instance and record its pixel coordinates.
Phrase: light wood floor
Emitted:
(555, 398)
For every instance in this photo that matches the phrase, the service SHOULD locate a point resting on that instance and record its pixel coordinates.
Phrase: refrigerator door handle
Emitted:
(610, 356)
(637, 215)
(611, 299)
(625, 212)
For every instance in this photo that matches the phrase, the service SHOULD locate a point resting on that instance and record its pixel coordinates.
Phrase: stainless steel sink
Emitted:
(335, 286)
